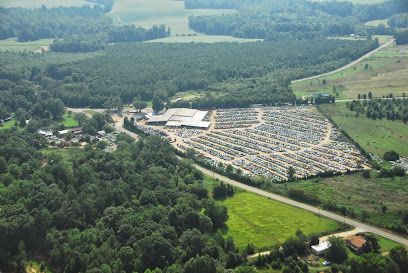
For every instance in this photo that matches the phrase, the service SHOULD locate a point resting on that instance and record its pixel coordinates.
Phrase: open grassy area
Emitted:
(12, 44)
(7, 125)
(70, 120)
(147, 13)
(374, 136)
(385, 73)
(375, 23)
(358, 194)
(39, 3)
(203, 39)
(263, 222)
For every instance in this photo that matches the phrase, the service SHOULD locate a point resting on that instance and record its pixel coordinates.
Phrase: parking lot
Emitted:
(267, 141)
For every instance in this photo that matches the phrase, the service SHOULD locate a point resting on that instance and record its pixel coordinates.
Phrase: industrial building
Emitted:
(181, 117)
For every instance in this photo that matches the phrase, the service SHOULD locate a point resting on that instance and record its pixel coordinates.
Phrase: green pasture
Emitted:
(264, 222)
(12, 44)
(202, 39)
(147, 13)
(374, 136)
(345, 191)
(375, 23)
(382, 73)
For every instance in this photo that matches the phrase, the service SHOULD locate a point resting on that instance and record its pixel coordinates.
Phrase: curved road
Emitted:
(333, 216)
(349, 64)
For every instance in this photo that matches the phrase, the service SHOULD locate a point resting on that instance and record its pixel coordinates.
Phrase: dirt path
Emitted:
(348, 65)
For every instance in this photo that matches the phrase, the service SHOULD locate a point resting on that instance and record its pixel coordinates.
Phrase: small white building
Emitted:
(46, 133)
(321, 248)
(63, 132)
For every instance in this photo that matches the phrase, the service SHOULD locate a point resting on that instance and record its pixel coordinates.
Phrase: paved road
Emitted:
(339, 218)
(348, 65)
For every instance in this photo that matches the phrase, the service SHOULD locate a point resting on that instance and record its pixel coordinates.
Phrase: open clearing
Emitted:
(264, 222)
(70, 121)
(374, 136)
(39, 3)
(346, 191)
(202, 39)
(7, 124)
(376, 23)
(12, 44)
(147, 13)
(382, 73)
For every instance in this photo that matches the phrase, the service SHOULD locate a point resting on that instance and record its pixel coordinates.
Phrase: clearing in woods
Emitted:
(264, 222)
(147, 13)
(12, 44)
(345, 192)
(382, 73)
(374, 136)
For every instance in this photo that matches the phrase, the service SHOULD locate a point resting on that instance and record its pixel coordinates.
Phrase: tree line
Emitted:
(277, 19)
(75, 29)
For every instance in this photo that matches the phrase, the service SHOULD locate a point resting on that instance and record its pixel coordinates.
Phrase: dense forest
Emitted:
(399, 20)
(278, 19)
(136, 209)
(76, 29)
(228, 74)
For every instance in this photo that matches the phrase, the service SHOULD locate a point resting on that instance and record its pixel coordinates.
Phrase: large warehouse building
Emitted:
(181, 117)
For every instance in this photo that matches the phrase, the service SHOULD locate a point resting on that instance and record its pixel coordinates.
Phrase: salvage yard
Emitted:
(279, 143)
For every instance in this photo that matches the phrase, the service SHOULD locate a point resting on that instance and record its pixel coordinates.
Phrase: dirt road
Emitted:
(350, 64)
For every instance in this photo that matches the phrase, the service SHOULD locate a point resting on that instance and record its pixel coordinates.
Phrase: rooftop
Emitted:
(178, 117)
(321, 247)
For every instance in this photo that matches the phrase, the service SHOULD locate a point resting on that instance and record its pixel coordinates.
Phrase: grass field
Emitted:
(374, 136)
(147, 13)
(70, 121)
(346, 191)
(11, 44)
(39, 3)
(7, 125)
(385, 74)
(203, 39)
(376, 23)
(263, 222)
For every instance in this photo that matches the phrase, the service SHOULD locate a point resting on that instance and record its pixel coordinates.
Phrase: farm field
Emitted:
(374, 136)
(39, 3)
(202, 39)
(346, 191)
(382, 73)
(12, 44)
(376, 23)
(263, 222)
(147, 13)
